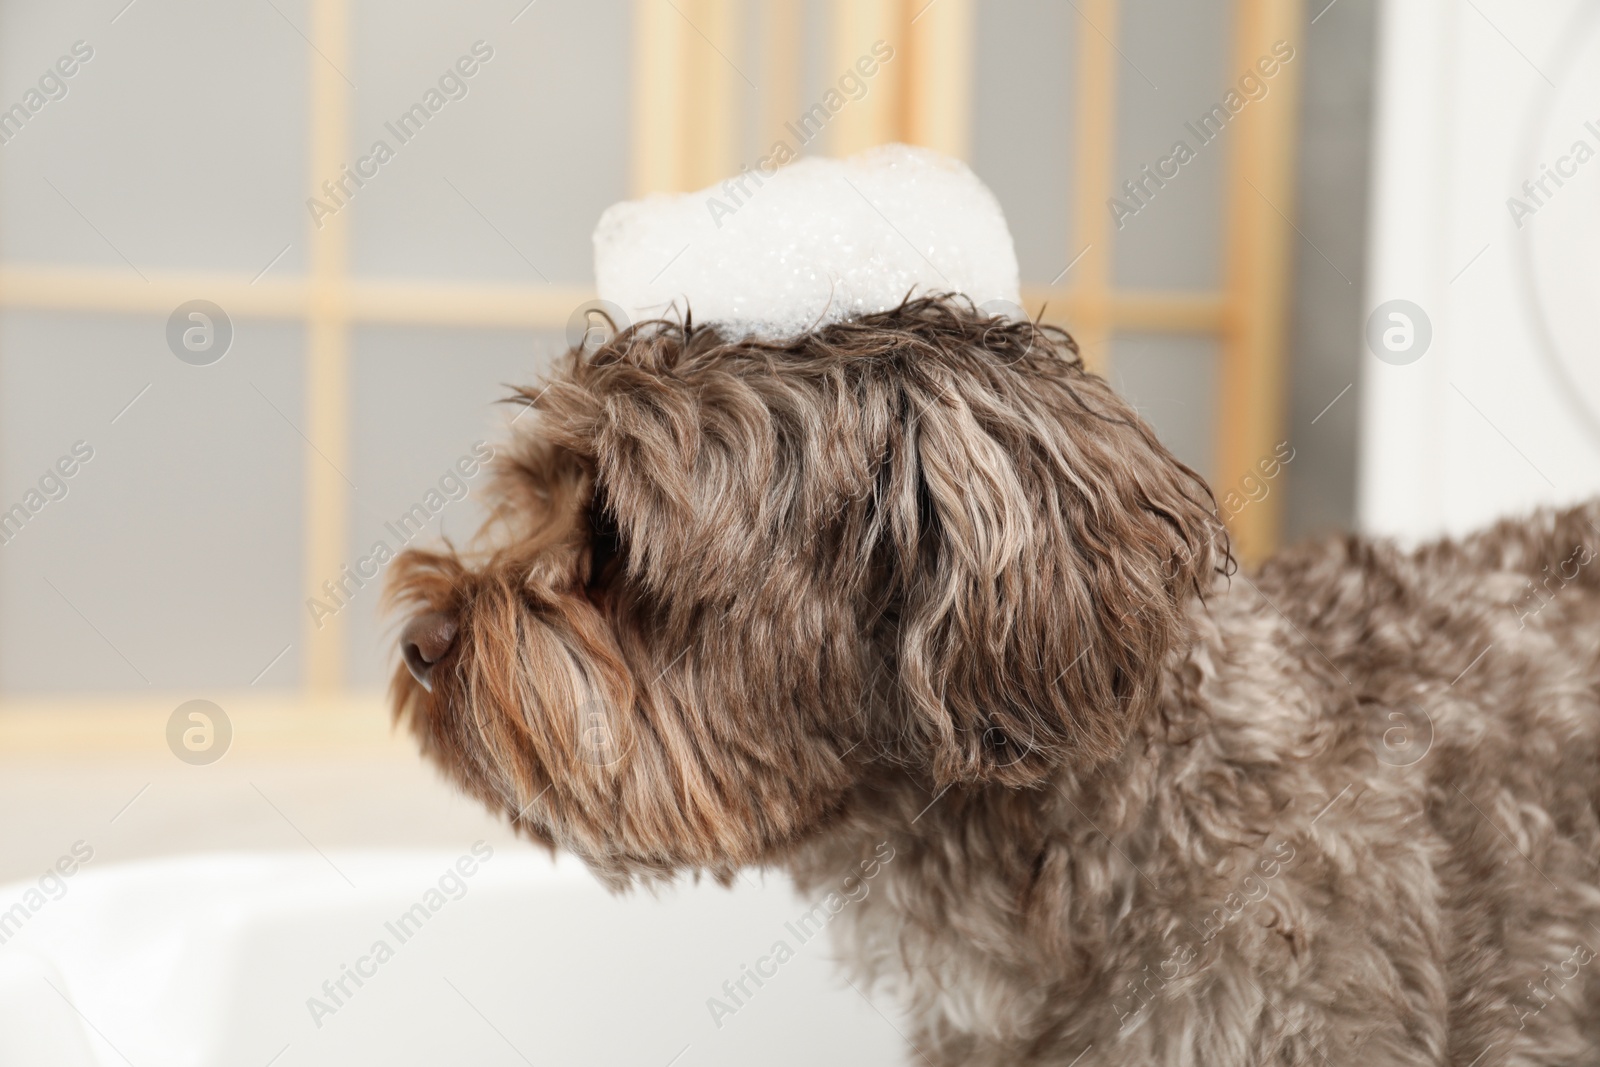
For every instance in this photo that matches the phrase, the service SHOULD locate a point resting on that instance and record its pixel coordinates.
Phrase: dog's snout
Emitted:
(424, 642)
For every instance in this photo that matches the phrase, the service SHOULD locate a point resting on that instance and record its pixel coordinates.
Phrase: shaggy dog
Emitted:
(918, 586)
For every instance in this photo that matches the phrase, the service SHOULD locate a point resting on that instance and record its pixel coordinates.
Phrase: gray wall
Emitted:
(1330, 267)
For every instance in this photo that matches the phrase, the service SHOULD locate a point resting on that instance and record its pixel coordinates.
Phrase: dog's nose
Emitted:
(424, 642)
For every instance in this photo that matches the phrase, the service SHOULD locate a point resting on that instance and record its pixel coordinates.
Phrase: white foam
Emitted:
(815, 242)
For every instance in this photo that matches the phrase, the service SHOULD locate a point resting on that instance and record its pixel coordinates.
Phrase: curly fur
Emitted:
(920, 580)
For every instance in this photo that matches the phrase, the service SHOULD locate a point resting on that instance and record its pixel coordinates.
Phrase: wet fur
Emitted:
(918, 585)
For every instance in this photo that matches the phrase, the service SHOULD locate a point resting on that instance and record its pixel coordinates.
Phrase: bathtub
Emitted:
(486, 956)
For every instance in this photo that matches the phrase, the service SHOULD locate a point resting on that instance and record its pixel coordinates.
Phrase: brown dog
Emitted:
(919, 579)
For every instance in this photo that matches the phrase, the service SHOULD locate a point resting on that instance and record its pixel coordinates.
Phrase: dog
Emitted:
(916, 590)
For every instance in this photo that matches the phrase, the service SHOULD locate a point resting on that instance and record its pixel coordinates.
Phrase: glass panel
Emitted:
(1173, 383)
(1173, 71)
(175, 550)
(505, 179)
(179, 142)
(1022, 126)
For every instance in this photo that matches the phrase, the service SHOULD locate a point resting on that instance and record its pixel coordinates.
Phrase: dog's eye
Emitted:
(605, 543)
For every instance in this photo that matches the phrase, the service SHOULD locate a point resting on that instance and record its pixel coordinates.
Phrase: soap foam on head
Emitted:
(818, 241)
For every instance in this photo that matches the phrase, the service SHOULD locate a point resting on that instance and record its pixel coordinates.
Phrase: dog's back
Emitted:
(1474, 667)
(1362, 829)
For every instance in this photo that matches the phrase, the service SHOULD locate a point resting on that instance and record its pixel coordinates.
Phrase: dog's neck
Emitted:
(1027, 887)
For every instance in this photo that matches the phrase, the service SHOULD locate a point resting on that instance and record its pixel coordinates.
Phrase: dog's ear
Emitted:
(720, 461)
(1042, 547)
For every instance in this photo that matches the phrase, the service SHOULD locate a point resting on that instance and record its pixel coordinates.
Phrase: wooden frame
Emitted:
(687, 112)
(1261, 190)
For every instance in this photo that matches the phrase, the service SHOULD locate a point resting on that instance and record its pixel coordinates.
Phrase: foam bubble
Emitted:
(815, 242)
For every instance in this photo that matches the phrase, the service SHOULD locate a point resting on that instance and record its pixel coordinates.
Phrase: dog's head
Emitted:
(727, 581)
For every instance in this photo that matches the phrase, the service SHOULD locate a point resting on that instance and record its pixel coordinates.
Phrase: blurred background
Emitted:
(1341, 254)
(198, 154)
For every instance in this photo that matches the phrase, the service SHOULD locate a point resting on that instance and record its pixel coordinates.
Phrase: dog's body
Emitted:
(918, 593)
(1345, 837)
